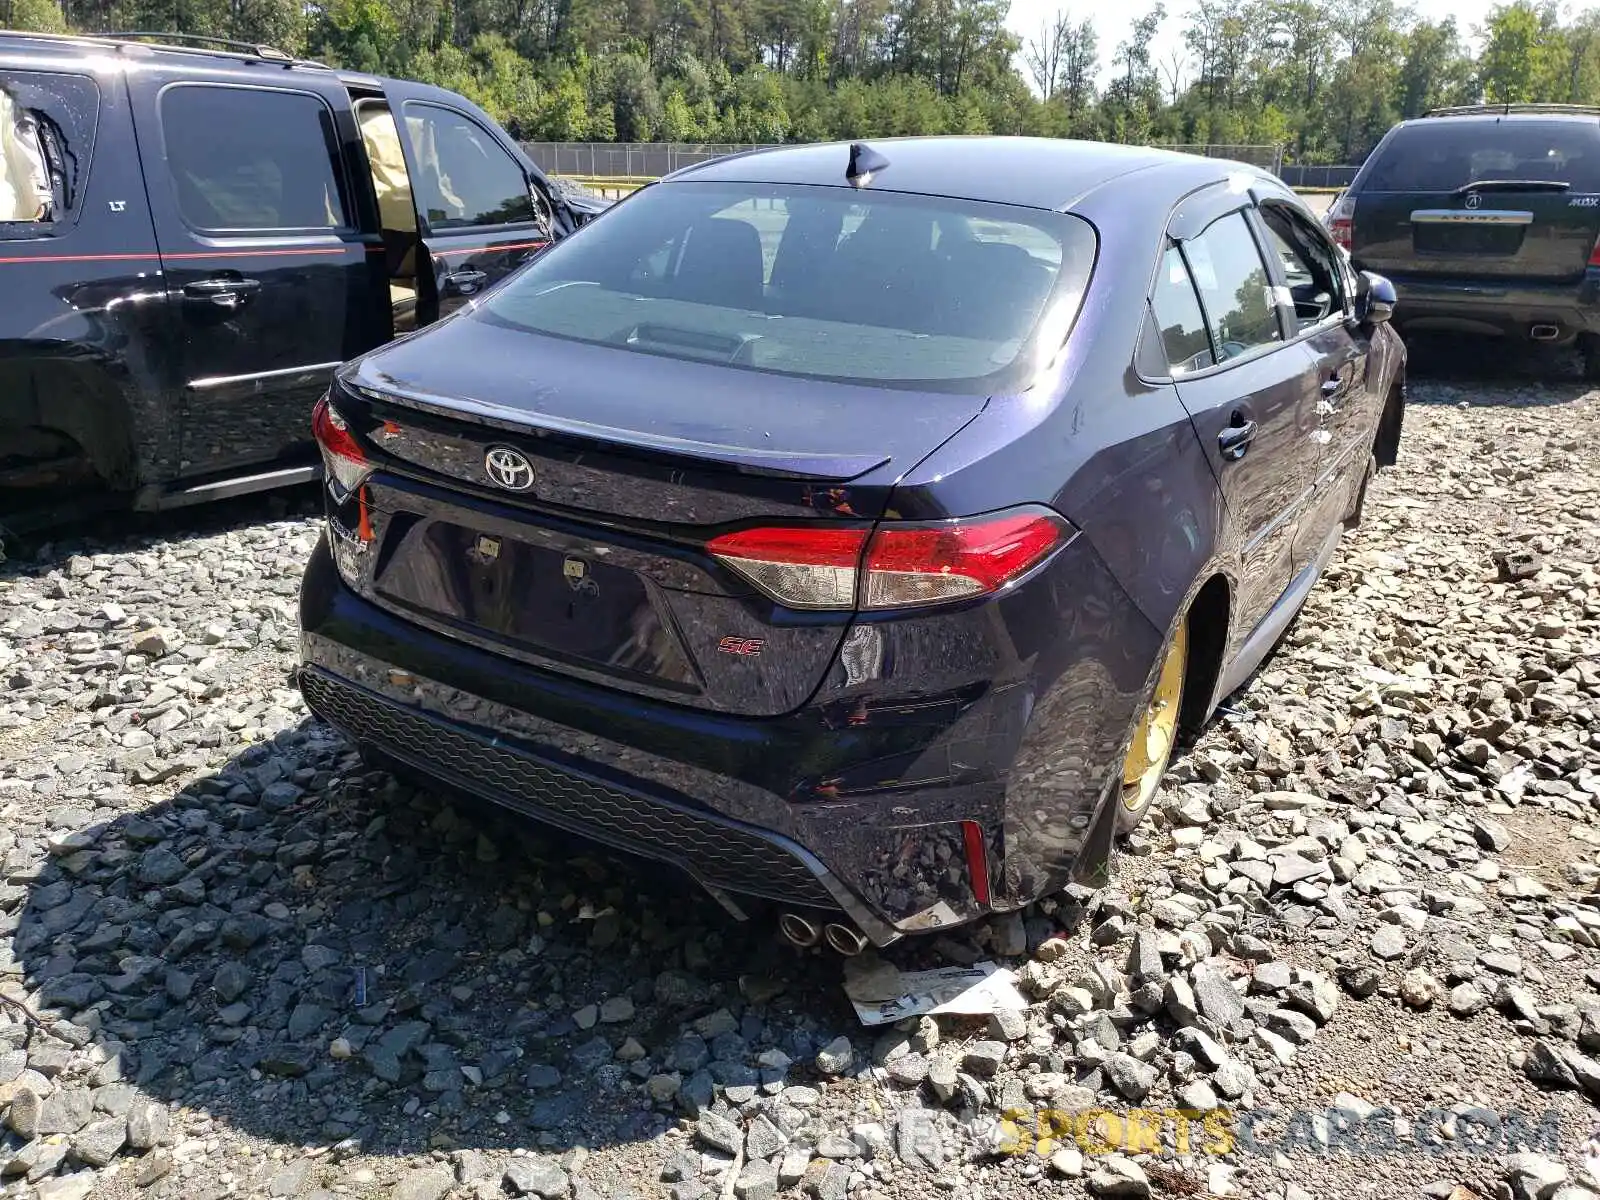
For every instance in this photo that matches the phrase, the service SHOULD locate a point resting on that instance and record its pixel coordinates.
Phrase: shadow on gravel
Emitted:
(40, 551)
(310, 950)
(1542, 376)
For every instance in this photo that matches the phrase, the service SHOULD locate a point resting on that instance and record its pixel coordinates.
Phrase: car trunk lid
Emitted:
(581, 548)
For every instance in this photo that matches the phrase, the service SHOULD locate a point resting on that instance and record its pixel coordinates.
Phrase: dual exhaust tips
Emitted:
(805, 933)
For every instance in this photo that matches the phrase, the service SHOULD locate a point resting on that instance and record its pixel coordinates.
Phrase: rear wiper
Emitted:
(1513, 185)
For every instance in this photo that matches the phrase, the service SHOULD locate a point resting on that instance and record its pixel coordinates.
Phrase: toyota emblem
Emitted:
(1473, 199)
(509, 468)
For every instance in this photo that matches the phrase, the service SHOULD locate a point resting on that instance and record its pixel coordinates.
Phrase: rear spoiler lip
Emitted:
(805, 465)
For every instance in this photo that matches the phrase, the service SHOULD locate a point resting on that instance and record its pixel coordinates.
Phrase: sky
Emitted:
(1112, 19)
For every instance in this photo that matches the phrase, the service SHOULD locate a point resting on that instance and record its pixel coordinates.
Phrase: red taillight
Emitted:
(1594, 254)
(977, 860)
(1342, 219)
(342, 455)
(899, 566)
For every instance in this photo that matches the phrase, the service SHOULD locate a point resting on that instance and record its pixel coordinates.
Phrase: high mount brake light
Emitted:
(346, 462)
(898, 566)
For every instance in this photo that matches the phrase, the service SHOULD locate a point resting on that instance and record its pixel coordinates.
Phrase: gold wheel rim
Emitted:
(1157, 734)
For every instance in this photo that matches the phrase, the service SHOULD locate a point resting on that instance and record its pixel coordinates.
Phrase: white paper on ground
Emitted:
(977, 990)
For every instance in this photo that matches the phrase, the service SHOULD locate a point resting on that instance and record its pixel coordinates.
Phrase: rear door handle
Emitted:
(1235, 439)
(467, 279)
(223, 292)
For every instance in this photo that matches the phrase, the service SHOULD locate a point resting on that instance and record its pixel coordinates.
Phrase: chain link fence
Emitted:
(651, 160)
(1301, 175)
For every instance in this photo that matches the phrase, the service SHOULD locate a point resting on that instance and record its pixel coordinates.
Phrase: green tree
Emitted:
(1523, 53)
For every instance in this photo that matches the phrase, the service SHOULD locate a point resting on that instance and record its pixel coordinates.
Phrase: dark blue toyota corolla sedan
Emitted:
(856, 527)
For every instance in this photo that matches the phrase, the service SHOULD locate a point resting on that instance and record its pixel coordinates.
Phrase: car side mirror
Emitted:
(1375, 299)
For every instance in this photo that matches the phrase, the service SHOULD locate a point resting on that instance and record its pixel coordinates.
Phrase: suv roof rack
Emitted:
(183, 40)
(181, 43)
(1509, 110)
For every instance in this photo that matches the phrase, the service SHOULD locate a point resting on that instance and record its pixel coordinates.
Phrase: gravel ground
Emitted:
(1361, 926)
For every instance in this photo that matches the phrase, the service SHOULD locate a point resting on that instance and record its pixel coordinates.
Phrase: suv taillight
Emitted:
(342, 455)
(899, 566)
(1342, 219)
(1594, 254)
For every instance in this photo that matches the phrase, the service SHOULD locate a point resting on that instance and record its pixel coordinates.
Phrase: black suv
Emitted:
(193, 236)
(1486, 220)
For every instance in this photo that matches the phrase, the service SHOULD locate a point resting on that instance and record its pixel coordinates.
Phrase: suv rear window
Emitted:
(815, 281)
(1448, 155)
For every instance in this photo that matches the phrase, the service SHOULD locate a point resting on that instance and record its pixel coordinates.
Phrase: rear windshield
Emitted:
(1449, 155)
(814, 281)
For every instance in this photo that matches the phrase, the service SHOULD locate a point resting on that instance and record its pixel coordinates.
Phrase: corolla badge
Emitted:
(509, 468)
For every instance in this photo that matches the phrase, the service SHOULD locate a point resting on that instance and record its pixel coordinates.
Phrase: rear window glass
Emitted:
(1449, 155)
(814, 281)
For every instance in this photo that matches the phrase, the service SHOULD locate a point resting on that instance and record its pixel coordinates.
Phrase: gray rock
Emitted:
(1489, 834)
(837, 1057)
(793, 1167)
(827, 1181)
(1314, 994)
(757, 1181)
(97, 1143)
(1132, 1078)
(1216, 996)
(719, 1133)
(1144, 957)
(152, 1168)
(1420, 989)
(66, 1187)
(292, 1179)
(664, 1088)
(231, 981)
(1466, 1000)
(1388, 942)
(1546, 1067)
(1532, 1176)
(983, 1059)
(423, 1183)
(1009, 936)
(1120, 1177)
(763, 1139)
(536, 1177)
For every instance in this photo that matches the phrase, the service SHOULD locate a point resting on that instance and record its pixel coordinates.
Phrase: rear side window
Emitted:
(1178, 316)
(1449, 155)
(1234, 287)
(47, 128)
(927, 292)
(249, 160)
(464, 176)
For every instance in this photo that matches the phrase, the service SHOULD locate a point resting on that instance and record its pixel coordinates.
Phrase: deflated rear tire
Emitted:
(1156, 736)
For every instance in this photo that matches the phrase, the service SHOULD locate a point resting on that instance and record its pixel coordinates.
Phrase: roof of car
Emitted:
(1049, 173)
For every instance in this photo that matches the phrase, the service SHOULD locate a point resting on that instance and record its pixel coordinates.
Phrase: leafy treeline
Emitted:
(1323, 78)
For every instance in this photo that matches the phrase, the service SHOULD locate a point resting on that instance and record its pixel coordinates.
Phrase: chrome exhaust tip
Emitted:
(800, 931)
(845, 940)
(1544, 333)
